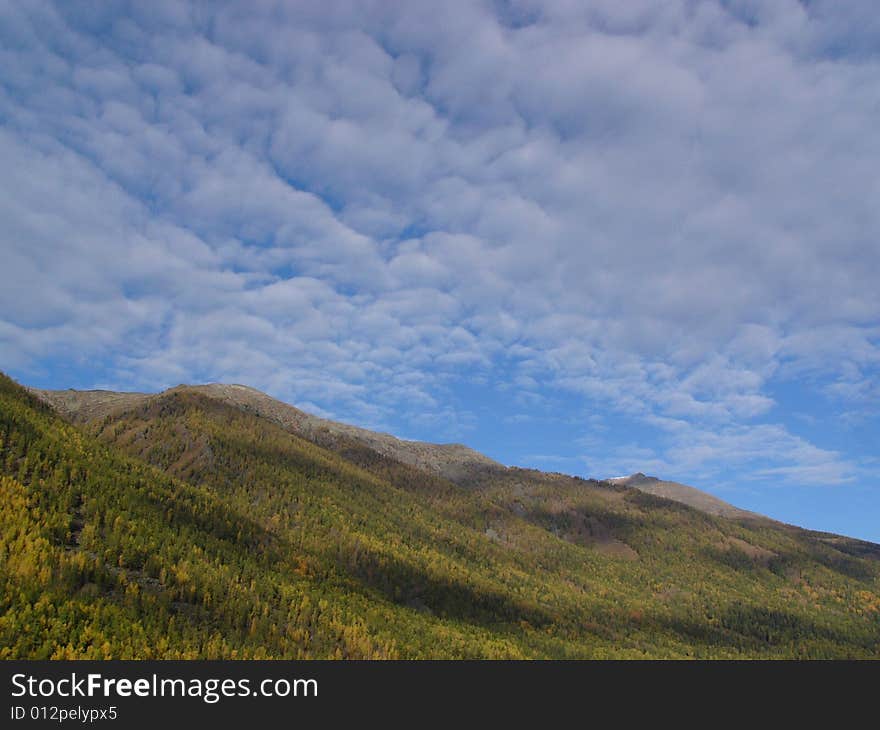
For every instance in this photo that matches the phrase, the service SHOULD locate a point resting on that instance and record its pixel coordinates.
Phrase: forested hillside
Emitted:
(181, 525)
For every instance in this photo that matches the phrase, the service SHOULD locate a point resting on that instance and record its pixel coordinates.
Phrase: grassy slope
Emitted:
(189, 519)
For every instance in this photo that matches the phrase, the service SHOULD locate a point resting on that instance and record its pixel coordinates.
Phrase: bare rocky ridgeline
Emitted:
(455, 462)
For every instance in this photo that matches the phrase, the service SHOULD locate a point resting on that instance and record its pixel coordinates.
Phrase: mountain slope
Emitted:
(452, 461)
(686, 495)
(188, 516)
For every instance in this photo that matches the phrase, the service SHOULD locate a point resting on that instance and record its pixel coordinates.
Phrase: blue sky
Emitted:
(590, 237)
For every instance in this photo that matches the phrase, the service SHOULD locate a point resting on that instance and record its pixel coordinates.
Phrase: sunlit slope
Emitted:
(225, 530)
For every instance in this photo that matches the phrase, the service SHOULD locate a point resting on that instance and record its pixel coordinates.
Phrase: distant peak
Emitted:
(640, 478)
(632, 479)
(682, 493)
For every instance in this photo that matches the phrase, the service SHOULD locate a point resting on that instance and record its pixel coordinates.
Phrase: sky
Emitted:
(588, 237)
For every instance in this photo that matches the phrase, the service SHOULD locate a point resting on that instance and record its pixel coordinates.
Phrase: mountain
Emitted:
(686, 495)
(452, 461)
(213, 522)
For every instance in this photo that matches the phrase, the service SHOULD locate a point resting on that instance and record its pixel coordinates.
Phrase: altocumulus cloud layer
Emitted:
(656, 223)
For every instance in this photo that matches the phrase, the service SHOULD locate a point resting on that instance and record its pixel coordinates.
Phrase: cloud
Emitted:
(662, 211)
(762, 452)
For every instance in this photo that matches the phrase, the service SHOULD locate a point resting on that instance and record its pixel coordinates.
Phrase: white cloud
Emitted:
(663, 210)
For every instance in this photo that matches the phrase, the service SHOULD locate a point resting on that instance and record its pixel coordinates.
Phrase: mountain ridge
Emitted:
(450, 460)
(456, 462)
